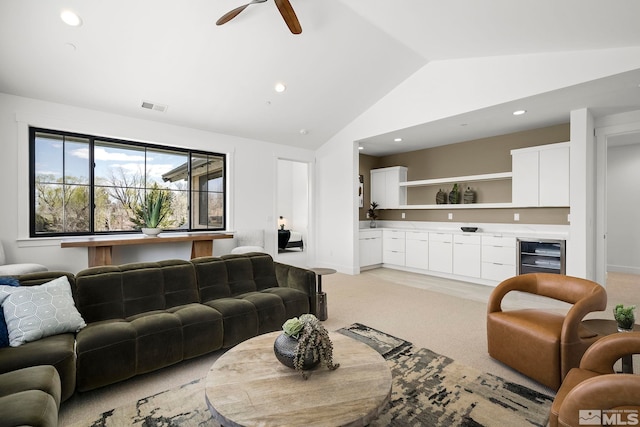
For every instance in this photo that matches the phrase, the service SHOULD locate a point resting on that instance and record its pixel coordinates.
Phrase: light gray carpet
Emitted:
(428, 390)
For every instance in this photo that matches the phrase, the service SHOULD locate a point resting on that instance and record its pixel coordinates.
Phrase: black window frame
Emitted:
(189, 153)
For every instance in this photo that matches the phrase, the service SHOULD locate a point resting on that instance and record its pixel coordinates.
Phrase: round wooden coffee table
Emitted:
(248, 386)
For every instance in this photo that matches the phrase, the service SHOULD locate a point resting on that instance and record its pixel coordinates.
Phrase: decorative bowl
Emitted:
(469, 229)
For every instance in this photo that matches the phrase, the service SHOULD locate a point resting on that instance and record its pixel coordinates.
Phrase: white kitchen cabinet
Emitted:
(441, 252)
(385, 187)
(498, 257)
(417, 249)
(370, 247)
(393, 247)
(467, 255)
(541, 175)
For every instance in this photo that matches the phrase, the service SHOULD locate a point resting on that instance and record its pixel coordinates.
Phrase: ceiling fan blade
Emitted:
(289, 16)
(235, 12)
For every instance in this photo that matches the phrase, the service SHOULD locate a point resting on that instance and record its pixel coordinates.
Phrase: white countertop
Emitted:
(536, 231)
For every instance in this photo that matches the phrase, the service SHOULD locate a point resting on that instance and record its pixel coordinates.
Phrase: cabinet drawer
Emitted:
(393, 244)
(499, 241)
(441, 237)
(393, 234)
(393, 257)
(499, 255)
(467, 239)
(370, 234)
(417, 235)
(497, 272)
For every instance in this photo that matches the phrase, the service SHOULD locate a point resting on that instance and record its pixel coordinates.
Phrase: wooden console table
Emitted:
(100, 248)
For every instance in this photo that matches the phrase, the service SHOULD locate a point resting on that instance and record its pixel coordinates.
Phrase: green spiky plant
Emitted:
(624, 316)
(154, 210)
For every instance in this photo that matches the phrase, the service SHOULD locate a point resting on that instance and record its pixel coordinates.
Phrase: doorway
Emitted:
(292, 212)
(618, 171)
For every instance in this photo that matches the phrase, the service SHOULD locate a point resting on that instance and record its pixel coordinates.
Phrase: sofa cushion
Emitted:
(295, 302)
(56, 350)
(142, 288)
(270, 310)
(180, 285)
(29, 408)
(158, 340)
(41, 377)
(212, 278)
(240, 274)
(240, 319)
(98, 293)
(34, 312)
(264, 272)
(106, 353)
(202, 329)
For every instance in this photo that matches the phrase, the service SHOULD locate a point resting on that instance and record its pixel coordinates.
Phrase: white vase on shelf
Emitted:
(151, 232)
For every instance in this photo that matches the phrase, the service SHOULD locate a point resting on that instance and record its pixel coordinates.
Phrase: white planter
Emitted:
(151, 232)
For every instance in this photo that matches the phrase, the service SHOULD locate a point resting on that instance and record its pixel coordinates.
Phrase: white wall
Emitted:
(252, 175)
(623, 201)
(442, 89)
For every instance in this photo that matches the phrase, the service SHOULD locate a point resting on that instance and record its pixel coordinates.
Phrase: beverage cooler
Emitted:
(541, 256)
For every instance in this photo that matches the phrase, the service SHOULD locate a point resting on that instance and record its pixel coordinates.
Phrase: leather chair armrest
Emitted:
(603, 354)
(516, 283)
(597, 301)
(603, 392)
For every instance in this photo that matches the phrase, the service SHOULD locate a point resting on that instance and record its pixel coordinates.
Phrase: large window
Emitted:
(82, 184)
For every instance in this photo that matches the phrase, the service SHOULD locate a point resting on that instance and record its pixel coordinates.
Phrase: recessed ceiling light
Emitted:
(360, 147)
(70, 18)
(398, 139)
(304, 132)
(280, 87)
(519, 112)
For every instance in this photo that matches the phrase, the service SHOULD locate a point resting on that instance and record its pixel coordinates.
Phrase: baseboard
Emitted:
(623, 269)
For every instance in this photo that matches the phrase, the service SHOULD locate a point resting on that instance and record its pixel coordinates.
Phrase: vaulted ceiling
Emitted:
(221, 78)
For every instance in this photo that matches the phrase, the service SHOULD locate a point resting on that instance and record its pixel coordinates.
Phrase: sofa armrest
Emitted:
(304, 280)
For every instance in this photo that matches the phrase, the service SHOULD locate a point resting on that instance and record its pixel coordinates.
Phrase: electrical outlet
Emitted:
(403, 215)
(450, 215)
(516, 217)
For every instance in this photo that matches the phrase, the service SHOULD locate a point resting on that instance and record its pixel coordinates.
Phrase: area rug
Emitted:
(428, 390)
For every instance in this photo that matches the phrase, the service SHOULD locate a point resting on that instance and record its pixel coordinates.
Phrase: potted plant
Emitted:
(153, 211)
(371, 213)
(624, 317)
(303, 344)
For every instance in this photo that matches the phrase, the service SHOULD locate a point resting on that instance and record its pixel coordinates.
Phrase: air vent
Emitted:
(154, 106)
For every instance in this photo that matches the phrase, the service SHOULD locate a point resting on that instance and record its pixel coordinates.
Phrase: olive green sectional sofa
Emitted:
(141, 317)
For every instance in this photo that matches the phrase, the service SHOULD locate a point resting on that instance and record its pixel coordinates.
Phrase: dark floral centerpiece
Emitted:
(304, 344)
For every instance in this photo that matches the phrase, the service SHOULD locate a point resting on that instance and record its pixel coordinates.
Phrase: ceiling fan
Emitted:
(284, 7)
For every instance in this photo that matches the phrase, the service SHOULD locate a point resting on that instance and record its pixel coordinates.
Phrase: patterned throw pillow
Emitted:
(34, 312)
(4, 335)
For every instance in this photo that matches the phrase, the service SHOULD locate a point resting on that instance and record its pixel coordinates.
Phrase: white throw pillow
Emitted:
(34, 312)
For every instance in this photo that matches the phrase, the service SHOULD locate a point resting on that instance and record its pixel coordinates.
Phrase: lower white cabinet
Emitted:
(417, 249)
(441, 252)
(370, 247)
(467, 259)
(393, 247)
(498, 257)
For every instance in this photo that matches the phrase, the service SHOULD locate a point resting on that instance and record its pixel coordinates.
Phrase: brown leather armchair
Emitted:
(594, 385)
(540, 344)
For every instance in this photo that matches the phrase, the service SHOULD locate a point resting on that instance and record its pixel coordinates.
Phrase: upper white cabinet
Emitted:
(541, 175)
(385, 187)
